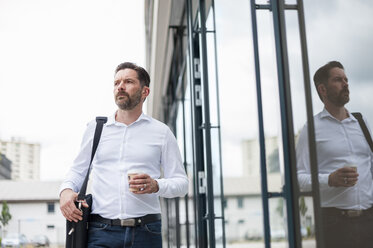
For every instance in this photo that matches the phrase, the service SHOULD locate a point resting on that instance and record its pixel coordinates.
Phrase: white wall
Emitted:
(33, 218)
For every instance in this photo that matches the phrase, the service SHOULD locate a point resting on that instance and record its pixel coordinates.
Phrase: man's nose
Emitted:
(121, 86)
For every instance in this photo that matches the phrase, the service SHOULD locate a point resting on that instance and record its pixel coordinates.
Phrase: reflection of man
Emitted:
(344, 162)
(130, 140)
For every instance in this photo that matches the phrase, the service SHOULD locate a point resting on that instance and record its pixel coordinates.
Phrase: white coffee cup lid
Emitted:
(134, 171)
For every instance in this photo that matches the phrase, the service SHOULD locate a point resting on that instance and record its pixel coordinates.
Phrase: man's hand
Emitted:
(343, 177)
(67, 205)
(144, 184)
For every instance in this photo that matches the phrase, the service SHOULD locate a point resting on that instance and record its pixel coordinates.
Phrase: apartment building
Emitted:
(25, 157)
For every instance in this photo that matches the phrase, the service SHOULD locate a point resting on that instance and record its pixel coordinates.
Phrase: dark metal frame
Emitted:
(222, 217)
(204, 201)
(291, 190)
(207, 125)
(198, 165)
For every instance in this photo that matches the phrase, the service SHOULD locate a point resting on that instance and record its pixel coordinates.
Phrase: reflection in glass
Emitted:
(307, 221)
(215, 130)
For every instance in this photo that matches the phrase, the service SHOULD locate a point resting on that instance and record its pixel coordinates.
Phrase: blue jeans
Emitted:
(144, 236)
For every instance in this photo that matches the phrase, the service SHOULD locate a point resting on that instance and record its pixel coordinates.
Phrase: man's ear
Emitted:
(145, 91)
(321, 89)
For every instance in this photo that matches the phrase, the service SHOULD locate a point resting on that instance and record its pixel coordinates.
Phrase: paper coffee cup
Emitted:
(353, 166)
(130, 174)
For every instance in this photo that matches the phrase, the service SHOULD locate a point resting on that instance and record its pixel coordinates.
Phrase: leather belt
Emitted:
(347, 212)
(126, 222)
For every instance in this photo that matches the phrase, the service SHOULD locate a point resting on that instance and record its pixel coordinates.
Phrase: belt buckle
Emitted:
(354, 213)
(127, 222)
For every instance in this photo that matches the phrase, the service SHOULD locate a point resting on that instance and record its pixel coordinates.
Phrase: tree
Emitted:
(280, 207)
(303, 207)
(303, 211)
(5, 216)
(274, 162)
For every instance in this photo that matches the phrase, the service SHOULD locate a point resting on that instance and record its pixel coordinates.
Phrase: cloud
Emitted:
(341, 30)
(57, 64)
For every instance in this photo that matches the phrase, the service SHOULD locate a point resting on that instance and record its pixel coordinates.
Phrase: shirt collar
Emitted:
(325, 113)
(112, 121)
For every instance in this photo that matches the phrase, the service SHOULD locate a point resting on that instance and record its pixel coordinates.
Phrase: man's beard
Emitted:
(339, 99)
(129, 103)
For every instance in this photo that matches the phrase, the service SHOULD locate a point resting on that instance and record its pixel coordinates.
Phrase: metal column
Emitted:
(311, 129)
(290, 191)
(207, 125)
(263, 164)
(198, 165)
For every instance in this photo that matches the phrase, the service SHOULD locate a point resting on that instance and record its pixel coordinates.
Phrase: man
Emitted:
(130, 140)
(344, 163)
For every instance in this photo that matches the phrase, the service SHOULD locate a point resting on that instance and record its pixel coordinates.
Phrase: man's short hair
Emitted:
(142, 74)
(322, 74)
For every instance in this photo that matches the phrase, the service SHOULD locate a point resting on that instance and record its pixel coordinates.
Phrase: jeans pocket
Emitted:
(154, 227)
(97, 226)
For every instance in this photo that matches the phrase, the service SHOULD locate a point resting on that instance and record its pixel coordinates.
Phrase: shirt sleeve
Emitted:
(303, 164)
(175, 181)
(75, 177)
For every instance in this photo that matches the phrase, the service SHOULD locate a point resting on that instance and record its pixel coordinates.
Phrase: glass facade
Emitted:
(239, 91)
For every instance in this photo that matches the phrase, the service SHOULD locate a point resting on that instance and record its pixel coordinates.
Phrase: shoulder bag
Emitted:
(77, 232)
(363, 126)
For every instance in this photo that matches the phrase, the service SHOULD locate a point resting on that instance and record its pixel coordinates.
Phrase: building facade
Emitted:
(233, 81)
(35, 210)
(5, 167)
(25, 158)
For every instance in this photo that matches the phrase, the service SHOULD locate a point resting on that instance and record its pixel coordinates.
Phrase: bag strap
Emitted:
(100, 121)
(363, 126)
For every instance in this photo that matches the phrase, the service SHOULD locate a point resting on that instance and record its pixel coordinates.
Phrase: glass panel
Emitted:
(278, 222)
(243, 225)
(218, 231)
(270, 101)
(211, 57)
(184, 137)
(169, 236)
(180, 129)
(307, 220)
(189, 157)
(239, 127)
(215, 132)
(344, 35)
(180, 139)
(348, 41)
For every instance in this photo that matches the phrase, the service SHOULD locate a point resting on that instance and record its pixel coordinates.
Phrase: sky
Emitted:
(57, 61)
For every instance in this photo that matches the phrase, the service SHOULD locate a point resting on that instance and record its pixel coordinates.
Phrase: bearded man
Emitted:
(126, 210)
(344, 162)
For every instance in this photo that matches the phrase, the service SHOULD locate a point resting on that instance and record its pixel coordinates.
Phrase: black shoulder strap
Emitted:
(363, 126)
(100, 121)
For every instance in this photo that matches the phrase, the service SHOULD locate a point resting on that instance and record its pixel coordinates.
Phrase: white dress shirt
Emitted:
(338, 143)
(146, 145)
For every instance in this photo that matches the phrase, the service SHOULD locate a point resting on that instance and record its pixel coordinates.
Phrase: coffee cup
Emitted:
(352, 166)
(130, 174)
